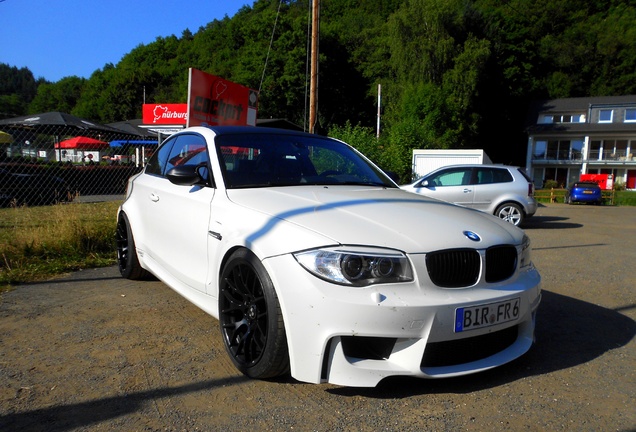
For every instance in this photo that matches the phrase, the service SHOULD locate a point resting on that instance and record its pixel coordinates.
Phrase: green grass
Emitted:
(37, 243)
(626, 198)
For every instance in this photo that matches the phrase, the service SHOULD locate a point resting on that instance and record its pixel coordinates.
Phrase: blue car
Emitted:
(585, 192)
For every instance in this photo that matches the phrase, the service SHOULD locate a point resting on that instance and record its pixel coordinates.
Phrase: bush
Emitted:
(550, 184)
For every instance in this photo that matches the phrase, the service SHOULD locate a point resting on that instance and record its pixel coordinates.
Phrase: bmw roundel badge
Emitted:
(472, 236)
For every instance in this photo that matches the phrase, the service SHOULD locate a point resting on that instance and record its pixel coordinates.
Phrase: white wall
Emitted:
(425, 161)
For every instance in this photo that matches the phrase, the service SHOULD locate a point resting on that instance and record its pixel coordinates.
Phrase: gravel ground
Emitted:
(94, 352)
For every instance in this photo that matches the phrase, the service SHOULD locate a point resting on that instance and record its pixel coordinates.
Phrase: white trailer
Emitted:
(425, 161)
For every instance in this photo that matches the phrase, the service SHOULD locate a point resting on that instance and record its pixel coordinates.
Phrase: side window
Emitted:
(493, 175)
(451, 177)
(157, 161)
(188, 149)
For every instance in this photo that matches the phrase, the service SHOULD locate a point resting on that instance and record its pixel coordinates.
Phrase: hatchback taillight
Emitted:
(530, 189)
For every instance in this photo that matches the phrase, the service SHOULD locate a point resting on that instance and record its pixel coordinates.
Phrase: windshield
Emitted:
(260, 160)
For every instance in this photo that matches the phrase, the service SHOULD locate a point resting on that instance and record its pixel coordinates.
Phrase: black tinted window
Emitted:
(493, 175)
(258, 160)
(187, 149)
(157, 161)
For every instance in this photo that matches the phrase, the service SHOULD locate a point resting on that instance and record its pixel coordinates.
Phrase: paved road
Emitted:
(92, 351)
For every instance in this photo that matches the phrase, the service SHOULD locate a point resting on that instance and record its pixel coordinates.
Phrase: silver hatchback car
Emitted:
(505, 191)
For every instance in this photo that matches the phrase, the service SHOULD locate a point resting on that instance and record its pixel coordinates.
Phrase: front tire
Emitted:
(251, 319)
(510, 212)
(127, 259)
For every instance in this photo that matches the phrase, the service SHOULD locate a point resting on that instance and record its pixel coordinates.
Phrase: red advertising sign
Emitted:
(215, 101)
(605, 181)
(171, 114)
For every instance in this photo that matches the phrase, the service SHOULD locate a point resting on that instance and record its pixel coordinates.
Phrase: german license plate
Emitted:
(480, 316)
(588, 192)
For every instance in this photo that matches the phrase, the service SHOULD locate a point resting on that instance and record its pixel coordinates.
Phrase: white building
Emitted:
(574, 136)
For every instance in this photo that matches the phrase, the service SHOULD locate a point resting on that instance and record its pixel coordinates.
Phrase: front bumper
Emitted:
(359, 336)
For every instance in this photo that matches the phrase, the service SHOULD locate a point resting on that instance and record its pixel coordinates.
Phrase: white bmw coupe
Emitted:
(317, 264)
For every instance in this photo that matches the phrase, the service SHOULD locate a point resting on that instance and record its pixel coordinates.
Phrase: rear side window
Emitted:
(493, 175)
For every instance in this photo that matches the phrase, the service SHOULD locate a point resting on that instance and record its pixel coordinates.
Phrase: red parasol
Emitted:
(82, 143)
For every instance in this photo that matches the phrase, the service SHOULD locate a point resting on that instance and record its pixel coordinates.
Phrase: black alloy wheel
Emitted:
(250, 318)
(127, 259)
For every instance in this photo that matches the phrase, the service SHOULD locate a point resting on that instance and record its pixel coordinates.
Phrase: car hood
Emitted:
(380, 217)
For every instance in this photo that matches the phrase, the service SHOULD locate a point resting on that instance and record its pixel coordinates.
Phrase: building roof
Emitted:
(568, 105)
(582, 106)
(582, 128)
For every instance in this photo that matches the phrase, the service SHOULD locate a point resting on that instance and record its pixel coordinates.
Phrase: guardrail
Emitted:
(558, 196)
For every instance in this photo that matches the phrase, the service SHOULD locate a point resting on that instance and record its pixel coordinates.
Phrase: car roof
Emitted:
(477, 166)
(243, 130)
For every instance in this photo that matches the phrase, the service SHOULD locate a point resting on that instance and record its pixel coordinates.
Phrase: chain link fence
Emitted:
(52, 161)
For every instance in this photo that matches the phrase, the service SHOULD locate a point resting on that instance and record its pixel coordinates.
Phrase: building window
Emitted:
(605, 115)
(595, 150)
(563, 118)
(553, 150)
(630, 115)
(577, 150)
(560, 175)
(539, 150)
(558, 150)
(615, 150)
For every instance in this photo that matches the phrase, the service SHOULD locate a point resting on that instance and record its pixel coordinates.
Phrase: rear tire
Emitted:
(251, 319)
(510, 212)
(127, 259)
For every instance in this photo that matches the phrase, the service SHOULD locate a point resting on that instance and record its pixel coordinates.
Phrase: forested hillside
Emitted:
(454, 73)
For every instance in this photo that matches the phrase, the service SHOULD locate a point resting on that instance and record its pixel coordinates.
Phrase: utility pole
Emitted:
(377, 135)
(313, 88)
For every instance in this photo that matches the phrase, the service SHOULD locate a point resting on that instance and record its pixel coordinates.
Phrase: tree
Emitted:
(17, 89)
(60, 96)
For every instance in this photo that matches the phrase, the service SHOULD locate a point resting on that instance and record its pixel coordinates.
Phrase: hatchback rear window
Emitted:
(586, 185)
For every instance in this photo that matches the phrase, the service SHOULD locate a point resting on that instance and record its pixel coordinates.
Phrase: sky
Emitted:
(57, 39)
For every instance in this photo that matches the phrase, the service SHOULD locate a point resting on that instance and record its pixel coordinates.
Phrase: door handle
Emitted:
(467, 190)
(154, 197)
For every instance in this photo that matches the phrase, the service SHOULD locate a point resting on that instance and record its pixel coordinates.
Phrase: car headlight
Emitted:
(525, 253)
(356, 266)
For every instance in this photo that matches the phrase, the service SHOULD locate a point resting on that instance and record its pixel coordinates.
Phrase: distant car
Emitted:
(585, 192)
(504, 191)
(316, 263)
(18, 189)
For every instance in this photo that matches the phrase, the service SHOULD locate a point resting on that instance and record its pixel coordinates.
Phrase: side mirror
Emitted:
(424, 183)
(188, 175)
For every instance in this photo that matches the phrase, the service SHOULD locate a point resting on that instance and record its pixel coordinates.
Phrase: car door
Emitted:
(491, 185)
(450, 184)
(176, 218)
